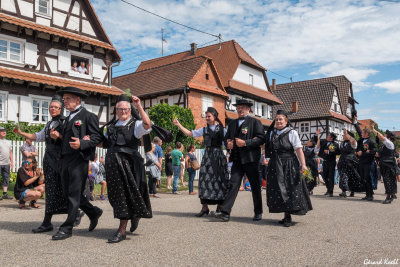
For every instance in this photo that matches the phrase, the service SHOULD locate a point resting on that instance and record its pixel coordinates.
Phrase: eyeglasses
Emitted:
(53, 107)
(27, 162)
(123, 109)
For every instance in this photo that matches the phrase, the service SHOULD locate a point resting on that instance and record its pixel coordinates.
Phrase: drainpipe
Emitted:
(109, 84)
(185, 93)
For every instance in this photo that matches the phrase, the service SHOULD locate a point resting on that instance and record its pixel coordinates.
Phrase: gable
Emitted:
(206, 76)
(335, 106)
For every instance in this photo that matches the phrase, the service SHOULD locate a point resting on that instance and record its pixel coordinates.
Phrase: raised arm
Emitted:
(181, 128)
(26, 135)
(145, 118)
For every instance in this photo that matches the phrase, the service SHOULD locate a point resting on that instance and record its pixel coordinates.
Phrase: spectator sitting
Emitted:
(82, 68)
(159, 153)
(30, 184)
(28, 150)
(100, 178)
(168, 166)
(74, 66)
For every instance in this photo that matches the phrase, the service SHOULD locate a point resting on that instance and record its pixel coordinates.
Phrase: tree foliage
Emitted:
(162, 115)
(25, 127)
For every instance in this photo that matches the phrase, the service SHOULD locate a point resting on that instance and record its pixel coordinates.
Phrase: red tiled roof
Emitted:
(339, 116)
(57, 32)
(166, 78)
(58, 81)
(366, 123)
(234, 115)
(226, 59)
(254, 91)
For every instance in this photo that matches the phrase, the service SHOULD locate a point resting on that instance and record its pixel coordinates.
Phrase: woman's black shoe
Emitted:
(394, 196)
(351, 194)
(134, 224)
(42, 229)
(388, 199)
(202, 212)
(343, 194)
(116, 238)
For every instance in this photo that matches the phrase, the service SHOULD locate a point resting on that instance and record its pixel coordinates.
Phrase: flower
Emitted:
(78, 123)
(365, 146)
(331, 148)
(244, 130)
(307, 175)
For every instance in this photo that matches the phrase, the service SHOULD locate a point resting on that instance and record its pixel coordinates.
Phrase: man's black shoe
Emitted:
(117, 238)
(222, 216)
(78, 218)
(43, 229)
(370, 198)
(257, 217)
(351, 194)
(330, 195)
(95, 220)
(134, 224)
(60, 235)
(327, 193)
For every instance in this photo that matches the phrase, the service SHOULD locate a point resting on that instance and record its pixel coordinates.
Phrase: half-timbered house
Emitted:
(325, 103)
(240, 76)
(46, 45)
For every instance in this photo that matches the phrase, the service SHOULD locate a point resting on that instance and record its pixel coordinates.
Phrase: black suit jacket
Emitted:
(85, 123)
(252, 132)
(331, 157)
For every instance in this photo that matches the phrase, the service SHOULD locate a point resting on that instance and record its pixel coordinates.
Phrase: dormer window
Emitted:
(80, 65)
(251, 79)
(43, 7)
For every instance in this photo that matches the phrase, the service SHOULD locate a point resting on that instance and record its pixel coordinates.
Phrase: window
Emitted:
(164, 101)
(43, 7)
(40, 112)
(10, 50)
(305, 127)
(207, 101)
(80, 65)
(251, 79)
(207, 76)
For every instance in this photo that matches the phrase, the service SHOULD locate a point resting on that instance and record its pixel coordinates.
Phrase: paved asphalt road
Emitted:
(338, 232)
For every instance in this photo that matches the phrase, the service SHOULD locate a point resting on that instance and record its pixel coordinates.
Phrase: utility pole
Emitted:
(162, 41)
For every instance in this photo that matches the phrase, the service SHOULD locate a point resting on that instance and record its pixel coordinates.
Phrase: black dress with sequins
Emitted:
(387, 166)
(348, 165)
(126, 178)
(56, 202)
(309, 156)
(286, 190)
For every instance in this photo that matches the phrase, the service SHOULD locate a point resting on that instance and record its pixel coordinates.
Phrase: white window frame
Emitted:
(206, 101)
(3, 108)
(77, 74)
(304, 127)
(48, 14)
(251, 79)
(9, 39)
(40, 99)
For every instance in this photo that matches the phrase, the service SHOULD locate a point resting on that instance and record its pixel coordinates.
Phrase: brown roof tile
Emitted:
(234, 115)
(254, 91)
(165, 78)
(31, 25)
(58, 81)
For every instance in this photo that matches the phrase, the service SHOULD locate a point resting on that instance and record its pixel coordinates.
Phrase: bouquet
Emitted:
(307, 175)
(365, 146)
(331, 148)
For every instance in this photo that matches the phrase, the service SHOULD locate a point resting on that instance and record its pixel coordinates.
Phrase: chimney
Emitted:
(273, 84)
(193, 48)
(295, 106)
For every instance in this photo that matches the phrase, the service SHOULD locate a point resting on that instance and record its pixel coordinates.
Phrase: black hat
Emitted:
(390, 134)
(57, 98)
(333, 135)
(124, 97)
(212, 111)
(72, 91)
(243, 102)
(281, 112)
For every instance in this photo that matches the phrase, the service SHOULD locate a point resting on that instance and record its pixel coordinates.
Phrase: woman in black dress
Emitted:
(387, 164)
(309, 155)
(348, 166)
(286, 190)
(214, 176)
(126, 178)
(55, 200)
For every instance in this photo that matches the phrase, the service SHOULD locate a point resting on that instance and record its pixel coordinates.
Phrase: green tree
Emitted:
(162, 115)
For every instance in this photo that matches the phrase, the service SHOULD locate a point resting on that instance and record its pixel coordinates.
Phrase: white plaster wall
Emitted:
(26, 8)
(53, 52)
(8, 5)
(43, 21)
(87, 28)
(75, 9)
(242, 75)
(98, 72)
(52, 64)
(73, 23)
(62, 4)
(59, 18)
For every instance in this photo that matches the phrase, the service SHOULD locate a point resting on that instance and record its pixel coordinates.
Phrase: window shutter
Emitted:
(98, 71)
(64, 61)
(25, 109)
(31, 54)
(12, 108)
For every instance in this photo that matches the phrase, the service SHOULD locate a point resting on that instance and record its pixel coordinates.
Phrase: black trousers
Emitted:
(74, 172)
(152, 182)
(365, 173)
(328, 173)
(237, 172)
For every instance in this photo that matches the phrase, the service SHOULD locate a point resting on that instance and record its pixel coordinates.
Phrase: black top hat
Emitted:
(333, 135)
(72, 91)
(243, 102)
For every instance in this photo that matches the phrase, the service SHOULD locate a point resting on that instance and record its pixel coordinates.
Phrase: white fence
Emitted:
(41, 147)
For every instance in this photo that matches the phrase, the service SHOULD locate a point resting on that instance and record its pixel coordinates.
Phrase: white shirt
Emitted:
(82, 70)
(294, 138)
(200, 132)
(40, 136)
(71, 116)
(388, 144)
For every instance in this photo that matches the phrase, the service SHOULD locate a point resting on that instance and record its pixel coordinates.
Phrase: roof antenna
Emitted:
(219, 40)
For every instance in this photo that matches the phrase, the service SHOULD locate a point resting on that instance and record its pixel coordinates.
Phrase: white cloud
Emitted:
(392, 87)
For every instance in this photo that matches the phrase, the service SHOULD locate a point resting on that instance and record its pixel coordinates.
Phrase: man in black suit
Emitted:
(75, 155)
(244, 137)
(328, 149)
(366, 149)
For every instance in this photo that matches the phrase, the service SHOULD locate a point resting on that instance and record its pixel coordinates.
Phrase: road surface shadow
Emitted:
(337, 198)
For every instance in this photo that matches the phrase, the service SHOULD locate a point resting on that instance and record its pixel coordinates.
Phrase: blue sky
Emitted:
(299, 39)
